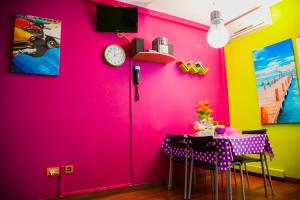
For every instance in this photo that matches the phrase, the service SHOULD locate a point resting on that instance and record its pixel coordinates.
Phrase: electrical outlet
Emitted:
(69, 169)
(53, 171)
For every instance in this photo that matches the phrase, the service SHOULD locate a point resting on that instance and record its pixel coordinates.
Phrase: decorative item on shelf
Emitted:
(160, 44)
(201, 68)
(137, 45)
(194, 68)
(170, 49)
(183, 66)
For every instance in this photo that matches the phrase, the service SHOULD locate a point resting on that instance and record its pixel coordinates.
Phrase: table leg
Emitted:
(228, 184)
(170, 171)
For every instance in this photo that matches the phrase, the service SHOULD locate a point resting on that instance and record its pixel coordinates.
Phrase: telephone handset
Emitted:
(137, 74)
(136, 80)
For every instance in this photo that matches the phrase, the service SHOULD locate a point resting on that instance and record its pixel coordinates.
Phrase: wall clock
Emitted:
(114, 55)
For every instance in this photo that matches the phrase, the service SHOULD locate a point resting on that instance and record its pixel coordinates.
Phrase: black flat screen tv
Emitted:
(116, 19)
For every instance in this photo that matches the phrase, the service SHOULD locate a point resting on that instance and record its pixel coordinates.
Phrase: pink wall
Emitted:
(168, 97)
(73, 118)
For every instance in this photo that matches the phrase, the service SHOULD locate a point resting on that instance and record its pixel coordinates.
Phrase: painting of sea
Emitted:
(277, 83)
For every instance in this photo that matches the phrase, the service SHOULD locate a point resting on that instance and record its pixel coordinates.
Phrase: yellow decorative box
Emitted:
(184, 68)
(193, 68)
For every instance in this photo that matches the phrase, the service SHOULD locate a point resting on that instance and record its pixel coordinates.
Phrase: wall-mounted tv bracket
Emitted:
(122, 35)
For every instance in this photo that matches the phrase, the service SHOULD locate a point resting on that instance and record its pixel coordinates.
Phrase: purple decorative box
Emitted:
(220, 130)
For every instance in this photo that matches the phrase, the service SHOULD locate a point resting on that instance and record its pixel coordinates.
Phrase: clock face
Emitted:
(114, 55)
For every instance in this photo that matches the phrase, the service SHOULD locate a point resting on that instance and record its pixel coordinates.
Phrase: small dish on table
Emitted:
(220, 131)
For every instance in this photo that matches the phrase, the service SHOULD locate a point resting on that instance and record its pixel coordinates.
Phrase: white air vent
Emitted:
(251, 21)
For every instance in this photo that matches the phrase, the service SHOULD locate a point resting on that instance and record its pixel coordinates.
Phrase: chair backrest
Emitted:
(205, 144)
(260, 131)
(176, 141)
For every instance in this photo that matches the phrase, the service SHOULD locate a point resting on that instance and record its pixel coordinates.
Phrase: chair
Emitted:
(262, 159)
(177, 141)
(206, 144)
(203, 144)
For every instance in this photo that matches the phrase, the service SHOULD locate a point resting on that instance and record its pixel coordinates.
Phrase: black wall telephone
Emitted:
(136, 80)
(137, 74)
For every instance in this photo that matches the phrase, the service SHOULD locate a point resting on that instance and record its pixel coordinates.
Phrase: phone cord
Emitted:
(137, 96)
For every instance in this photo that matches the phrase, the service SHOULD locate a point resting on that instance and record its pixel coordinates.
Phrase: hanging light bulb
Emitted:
(218, 35)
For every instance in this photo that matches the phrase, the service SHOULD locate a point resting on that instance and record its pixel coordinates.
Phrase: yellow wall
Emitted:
(243, 99)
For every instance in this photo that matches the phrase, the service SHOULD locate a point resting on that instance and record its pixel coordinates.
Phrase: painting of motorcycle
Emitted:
(36, 47)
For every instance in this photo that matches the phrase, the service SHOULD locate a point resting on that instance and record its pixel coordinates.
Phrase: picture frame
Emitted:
(36, 47)
(277, 83)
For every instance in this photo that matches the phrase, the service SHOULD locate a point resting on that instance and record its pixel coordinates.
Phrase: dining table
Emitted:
(228, 146)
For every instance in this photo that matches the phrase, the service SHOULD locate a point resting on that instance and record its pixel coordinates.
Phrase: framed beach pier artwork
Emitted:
(36, 47)
(277, 83)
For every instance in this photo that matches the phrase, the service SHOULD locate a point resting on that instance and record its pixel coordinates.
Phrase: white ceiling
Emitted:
(199, 10)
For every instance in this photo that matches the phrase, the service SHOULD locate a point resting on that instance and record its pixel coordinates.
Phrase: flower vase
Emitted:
(203, 119)
(203, 116)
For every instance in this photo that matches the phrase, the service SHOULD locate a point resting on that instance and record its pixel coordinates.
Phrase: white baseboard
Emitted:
(274, 172)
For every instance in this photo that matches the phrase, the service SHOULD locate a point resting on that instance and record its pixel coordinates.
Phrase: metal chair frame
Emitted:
(177, 141)
(204, 144)
(263, 160)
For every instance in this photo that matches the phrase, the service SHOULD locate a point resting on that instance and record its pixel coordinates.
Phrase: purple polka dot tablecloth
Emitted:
(228, 147)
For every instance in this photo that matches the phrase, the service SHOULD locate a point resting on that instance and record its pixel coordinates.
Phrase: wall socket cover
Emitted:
(69, 169)
(53, 171)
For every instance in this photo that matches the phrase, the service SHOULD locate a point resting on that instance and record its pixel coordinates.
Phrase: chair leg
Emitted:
(264, 174)
(205, 176)
(191, 177)
(242, 182)
(228, 184)
(247, 175)
(185, 177)
(270, 181)
(170, 171)
(216, 183)
(212, 181)
(222, 182)
(234, 174)
(195, 176)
